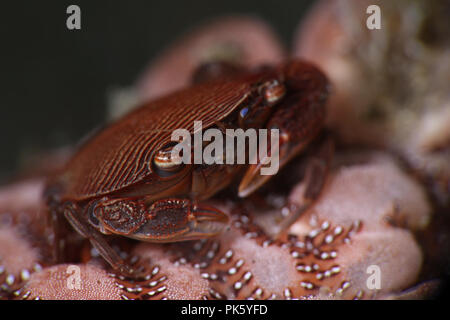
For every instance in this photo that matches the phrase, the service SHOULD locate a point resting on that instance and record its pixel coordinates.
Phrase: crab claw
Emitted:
(171, 220)
(253, 179)
(208, 222)
(298, 118)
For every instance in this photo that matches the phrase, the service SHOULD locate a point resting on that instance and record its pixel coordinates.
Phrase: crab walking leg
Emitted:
(316, 172)
(98, 242)
(57, 225)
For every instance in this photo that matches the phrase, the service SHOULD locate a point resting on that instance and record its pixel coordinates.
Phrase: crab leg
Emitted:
(98, 242)
(317, 168)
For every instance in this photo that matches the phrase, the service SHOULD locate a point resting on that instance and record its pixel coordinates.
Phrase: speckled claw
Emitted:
(172, 220)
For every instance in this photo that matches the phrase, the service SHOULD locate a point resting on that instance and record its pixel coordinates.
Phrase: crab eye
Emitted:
(243, 112)
(163, 162)
(273, 91)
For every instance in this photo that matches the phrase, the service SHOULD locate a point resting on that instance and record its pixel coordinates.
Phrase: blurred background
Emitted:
(54, 82)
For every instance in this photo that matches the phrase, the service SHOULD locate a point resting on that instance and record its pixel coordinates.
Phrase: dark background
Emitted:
(54, 81)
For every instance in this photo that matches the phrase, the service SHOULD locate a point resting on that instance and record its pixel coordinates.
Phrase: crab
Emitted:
(123, 180)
